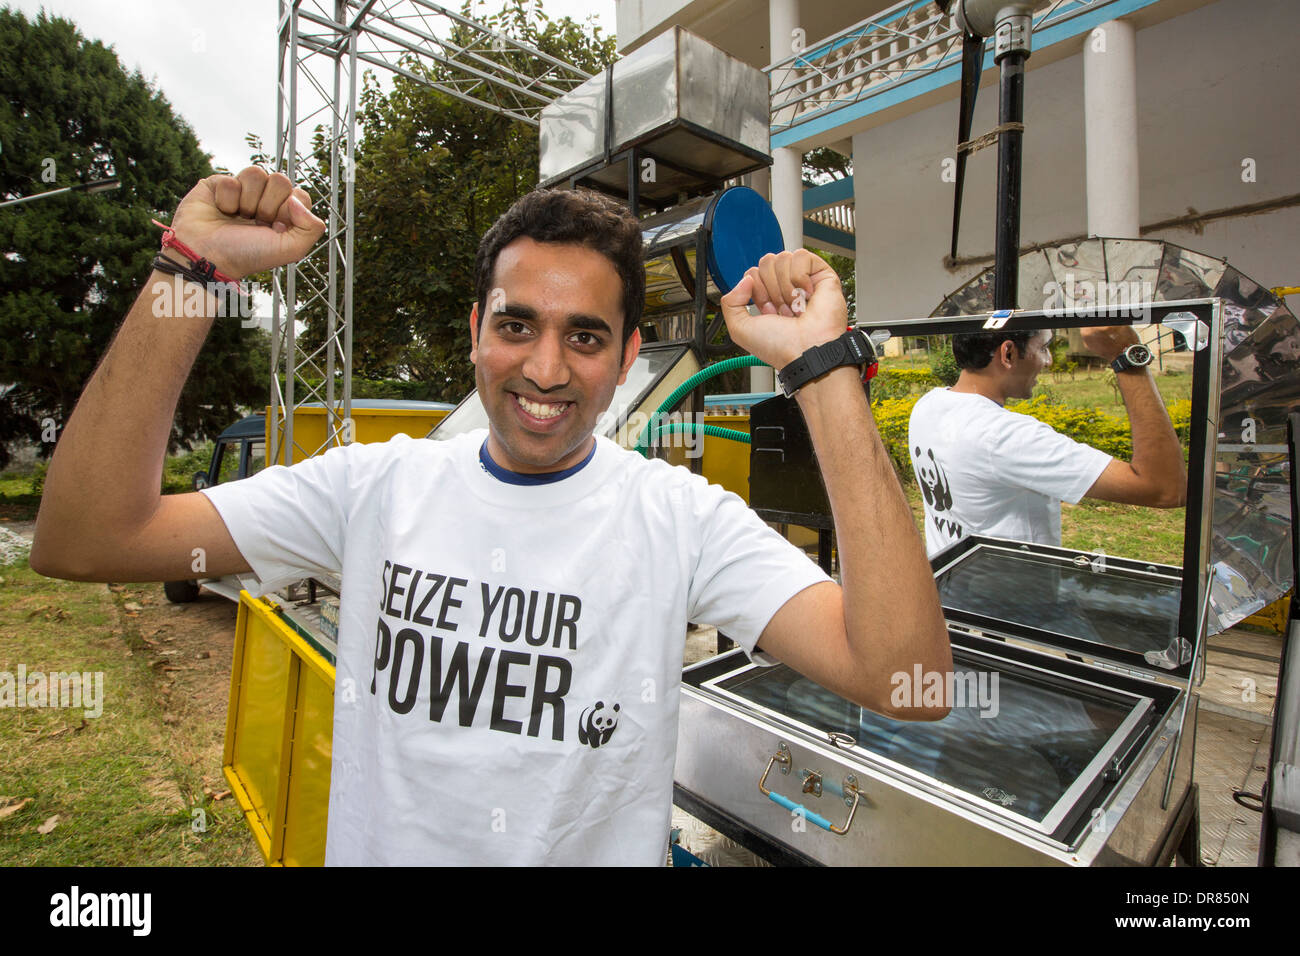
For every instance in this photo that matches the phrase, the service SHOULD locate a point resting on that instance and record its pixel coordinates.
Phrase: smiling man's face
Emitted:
(549, 354)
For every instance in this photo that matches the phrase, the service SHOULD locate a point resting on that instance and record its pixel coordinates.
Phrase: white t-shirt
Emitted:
(512, 654)
(984, 470)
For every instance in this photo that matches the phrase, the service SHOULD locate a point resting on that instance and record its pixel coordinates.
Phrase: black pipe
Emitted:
(1011, 109)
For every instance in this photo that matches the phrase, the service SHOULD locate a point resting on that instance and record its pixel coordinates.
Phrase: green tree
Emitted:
(70, 266)
(821, 166)
(432, 174)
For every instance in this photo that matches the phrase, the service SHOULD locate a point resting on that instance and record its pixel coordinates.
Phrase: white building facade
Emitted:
(1159, 119)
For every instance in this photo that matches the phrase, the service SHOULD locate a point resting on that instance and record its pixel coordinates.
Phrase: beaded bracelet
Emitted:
(198, 269)
(204, 269)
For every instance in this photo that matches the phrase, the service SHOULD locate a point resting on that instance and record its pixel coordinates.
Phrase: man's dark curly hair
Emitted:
(580, 216)
(974, 350)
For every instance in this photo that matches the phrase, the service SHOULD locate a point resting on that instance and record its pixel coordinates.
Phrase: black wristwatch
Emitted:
(1135, 356)
(851, 348)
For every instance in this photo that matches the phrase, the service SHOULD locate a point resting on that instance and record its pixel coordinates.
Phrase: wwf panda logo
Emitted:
(597, 723)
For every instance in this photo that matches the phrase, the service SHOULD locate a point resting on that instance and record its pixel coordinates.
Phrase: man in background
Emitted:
(984, 470)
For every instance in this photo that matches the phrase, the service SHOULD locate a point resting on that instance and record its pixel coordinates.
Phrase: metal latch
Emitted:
(812, 782)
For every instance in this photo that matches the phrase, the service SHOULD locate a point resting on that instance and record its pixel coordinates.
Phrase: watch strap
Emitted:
(1123, 363)
(851, 348)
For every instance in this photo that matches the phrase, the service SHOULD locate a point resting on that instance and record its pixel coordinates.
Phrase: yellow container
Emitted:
(726, 463)
(1274, 617)
(279, 733)
(373, 420)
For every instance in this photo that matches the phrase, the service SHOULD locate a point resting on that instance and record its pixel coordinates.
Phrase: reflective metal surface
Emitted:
(906, 817)
(1088, 598)
(698, 110)
(736, 228)
(572, 132)
(665, 289)
(679, 75)
(1259, 388)
(665, 292)
(1032, 749)
(1036, 281)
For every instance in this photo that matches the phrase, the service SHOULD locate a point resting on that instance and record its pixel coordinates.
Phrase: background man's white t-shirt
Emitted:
(987, 471)
(509, 657)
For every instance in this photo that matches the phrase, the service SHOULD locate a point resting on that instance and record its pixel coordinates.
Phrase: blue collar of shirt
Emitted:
(518, 478)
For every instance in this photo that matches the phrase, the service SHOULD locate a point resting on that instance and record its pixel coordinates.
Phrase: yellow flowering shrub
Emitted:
(1092, 426)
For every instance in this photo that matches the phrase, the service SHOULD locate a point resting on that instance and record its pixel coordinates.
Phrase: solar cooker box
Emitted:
(1073, 736)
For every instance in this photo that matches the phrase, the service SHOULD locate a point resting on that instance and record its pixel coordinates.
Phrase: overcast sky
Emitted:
(215, 60)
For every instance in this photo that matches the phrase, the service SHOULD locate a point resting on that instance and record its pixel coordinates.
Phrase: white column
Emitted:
(787, 163)
(786, 186)
(761, 379)
(1110, 129)
(786, 180)
(782, 22)
(787, 194)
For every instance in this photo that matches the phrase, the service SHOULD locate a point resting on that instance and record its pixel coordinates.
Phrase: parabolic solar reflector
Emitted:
(1250, 554)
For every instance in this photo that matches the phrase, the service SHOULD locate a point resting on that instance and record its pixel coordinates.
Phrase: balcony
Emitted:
(830, 90)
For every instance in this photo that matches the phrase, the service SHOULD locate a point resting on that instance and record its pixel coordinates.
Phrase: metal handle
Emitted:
(784, 757)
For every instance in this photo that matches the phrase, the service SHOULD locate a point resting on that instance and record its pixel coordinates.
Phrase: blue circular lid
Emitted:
(743, 229)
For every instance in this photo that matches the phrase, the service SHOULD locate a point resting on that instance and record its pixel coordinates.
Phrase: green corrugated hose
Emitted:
(703, 375)
(717, 431)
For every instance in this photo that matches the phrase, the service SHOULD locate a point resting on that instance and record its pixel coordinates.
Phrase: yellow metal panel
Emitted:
(726, 462)
(1272, 618)
(259, 714)
(309, 780)
(278, 735)
(256, 824)
(369, 425)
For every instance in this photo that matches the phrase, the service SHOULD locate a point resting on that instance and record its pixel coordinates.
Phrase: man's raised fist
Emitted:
(799, 301)
(247, 223)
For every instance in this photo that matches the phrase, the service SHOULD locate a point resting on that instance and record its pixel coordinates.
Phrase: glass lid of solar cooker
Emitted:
(1022, 744)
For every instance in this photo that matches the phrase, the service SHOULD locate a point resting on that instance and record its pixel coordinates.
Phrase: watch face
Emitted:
(1138, 354)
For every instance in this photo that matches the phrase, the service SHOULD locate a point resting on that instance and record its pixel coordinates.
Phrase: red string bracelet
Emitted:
(169, 241)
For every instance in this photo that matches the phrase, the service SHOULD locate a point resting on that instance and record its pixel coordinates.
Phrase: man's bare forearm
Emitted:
(1157, 455)
(105, 478)
(103, 486)
(885, 618)
(893, 618)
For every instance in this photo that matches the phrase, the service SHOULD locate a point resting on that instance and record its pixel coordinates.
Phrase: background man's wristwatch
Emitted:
(1135, 356)
(851, 348)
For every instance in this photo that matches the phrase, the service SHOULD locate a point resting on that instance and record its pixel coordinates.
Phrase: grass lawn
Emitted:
(1125, 531)
(1084, 388)
(17, 503)
(121, 789)
(1091, 388)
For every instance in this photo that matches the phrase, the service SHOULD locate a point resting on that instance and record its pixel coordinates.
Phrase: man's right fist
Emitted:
(1108, 341)
(247, 223)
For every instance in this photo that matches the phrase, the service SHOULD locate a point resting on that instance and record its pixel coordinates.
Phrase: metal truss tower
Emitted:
(322, 45)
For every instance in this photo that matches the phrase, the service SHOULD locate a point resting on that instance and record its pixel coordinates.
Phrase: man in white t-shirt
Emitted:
(986, 471)
(515, 601)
